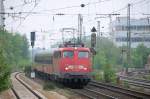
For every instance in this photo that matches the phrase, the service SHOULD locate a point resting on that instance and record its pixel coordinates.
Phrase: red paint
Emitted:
(79, 64)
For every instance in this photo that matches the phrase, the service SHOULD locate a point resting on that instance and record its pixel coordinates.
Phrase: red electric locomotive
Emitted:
(70, 64)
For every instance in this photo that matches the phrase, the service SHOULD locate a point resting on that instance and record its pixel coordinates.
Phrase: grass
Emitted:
(126, 84)
(49, 86)
(52, 86)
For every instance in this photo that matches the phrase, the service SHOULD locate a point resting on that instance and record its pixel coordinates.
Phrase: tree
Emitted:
(13, 50)
(107, 53)
(139, 56)
(106, 60)
(4, 72)
(100, 60)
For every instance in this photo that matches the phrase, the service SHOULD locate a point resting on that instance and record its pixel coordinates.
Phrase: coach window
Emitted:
(57, 54)
(68, 54)
(83, 54)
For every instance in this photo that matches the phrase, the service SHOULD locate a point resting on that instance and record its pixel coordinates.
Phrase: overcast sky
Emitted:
(46, 21)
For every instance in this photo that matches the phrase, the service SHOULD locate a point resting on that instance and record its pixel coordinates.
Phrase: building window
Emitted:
(133, 39)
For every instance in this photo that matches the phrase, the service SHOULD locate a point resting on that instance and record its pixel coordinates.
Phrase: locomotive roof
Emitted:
(74, 48)
(61, 49)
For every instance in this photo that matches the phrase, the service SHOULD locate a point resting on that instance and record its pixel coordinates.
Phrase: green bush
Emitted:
(4, 73)
(106, 74)
(13, 53)
(126, 84)
(98, 75)
(49, 86)
(109, 74)
(5, 82)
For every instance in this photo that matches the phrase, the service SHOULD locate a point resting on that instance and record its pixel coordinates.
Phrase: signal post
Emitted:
(32, 44)
(93, 43)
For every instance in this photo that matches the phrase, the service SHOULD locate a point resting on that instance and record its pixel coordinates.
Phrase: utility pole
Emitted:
(72, 30)
(110, 18)
(2, 17)
(62, 36)
(98, 28)
(110, 26)
(128, 39)
(84, 34)
(98, 33)
(80, 22)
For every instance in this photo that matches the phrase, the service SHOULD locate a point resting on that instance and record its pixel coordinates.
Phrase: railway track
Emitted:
(15, 93)
(92, 94)
(94, 90)
(23, 91)
(116, 91)
(99, 90)
(136, 82)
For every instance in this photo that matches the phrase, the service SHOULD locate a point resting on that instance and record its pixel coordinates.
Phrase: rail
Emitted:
(118, 89)
(26, 86)
(137, 82)
(15, 93)
(92, 94)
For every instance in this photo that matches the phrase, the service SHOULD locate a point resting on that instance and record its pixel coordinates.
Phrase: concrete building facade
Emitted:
(140, 31)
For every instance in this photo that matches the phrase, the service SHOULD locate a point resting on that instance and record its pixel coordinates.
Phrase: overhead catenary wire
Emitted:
(16, 6)
(132, 4)
(145, 2)
(42, 12)
(28, 14)
(138, 2)
(16, 15)
(20, 5)
(76, 6)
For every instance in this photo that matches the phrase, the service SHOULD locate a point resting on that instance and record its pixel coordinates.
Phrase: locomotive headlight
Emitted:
(69, 67)
(85, 68)
(66, 68)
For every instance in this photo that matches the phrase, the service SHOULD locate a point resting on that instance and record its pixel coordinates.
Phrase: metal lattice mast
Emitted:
(128, 39)
(2, 17)
(80, 22)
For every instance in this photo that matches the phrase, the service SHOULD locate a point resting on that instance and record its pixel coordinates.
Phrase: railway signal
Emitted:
(32, 39)
(93, 51)
(32, 44)
(93, 37)
(93, 43)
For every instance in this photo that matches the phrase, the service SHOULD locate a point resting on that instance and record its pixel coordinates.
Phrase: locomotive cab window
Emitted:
(83, 54)
(68, 54)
